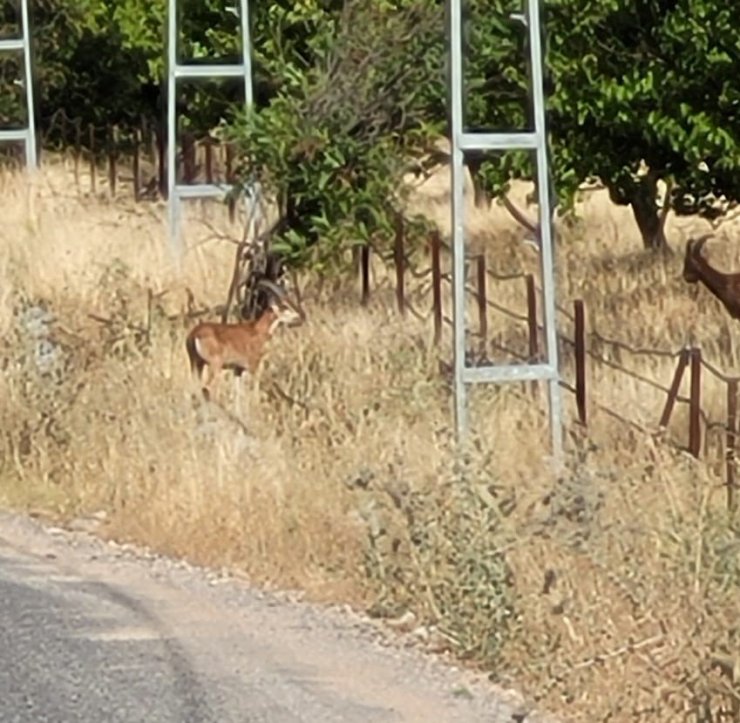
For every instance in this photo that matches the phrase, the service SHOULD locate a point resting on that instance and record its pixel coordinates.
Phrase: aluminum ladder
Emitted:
(26, 135)
(176, 193)
(536, 141)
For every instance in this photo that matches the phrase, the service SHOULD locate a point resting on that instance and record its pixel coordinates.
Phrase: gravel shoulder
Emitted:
(221, 649)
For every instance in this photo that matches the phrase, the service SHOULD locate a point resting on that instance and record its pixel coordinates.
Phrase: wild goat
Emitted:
(239, 346)
(726, 287)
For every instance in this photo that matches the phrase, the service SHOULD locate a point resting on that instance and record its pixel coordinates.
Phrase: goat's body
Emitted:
(232, 346)
(725, 287)
(239, 347)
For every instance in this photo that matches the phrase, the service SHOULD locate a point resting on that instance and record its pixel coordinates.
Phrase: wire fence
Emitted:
(588, 348)
(137, 157)
(131, 159)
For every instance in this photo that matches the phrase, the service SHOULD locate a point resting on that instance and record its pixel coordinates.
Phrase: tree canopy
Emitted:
(332, 144)
(647, 82)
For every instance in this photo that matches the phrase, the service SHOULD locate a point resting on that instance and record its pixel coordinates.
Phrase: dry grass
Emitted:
(605, 591)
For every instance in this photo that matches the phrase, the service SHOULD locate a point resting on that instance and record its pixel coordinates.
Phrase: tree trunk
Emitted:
(650, 219)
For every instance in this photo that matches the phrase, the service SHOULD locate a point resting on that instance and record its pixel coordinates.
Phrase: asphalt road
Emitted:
(90, 634)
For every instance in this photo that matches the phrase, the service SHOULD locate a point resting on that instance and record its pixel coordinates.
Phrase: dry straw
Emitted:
(609, 593)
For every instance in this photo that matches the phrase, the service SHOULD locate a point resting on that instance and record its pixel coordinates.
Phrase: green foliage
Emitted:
(653, 82)
(12, 113)
(82, 66)
(103, 61)
(332, 144)
(628, 84)
(438, 552)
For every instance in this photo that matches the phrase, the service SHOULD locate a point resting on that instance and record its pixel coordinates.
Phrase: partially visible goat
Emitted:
(238, 346)
(726, 287)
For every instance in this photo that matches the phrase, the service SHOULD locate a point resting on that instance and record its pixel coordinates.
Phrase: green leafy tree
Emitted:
(637, 93)
(103, 62)
(659, 87)
(82, 66)
(334, 140)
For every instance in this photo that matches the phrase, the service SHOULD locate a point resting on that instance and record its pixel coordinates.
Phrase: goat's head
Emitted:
(286, 313)
(691, 272)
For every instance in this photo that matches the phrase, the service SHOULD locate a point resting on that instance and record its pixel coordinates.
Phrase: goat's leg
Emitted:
(214, 369)
(239, 391)
(199, 374)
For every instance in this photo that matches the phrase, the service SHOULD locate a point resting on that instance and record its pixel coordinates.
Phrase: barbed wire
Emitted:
(635, 351)
(635, 375)
(593, 335)
(718, 373)
(619, 417)
(712, 427)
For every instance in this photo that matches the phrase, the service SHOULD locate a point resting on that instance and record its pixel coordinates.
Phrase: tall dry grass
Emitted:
(608, 591)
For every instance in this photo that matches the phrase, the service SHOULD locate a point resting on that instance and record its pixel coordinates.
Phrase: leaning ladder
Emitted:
(176, 71)
(532, 140)
(26, 135)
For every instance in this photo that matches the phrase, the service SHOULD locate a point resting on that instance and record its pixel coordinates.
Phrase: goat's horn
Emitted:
(281, 294)
(273, 287)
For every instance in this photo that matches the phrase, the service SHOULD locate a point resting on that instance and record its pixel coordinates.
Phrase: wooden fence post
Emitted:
(78, 151)
(683, 360)
(65, 138)
(112, 158)
(400, 262)
(229, 163)
(91, 143)
(365, 274)
(534, 352)
(580, 344)
(435, 243)
(151, 145)
(482, 301)
(209, 159)
(137, 164)
(159, 139)
(731, 441)
(695, 404)
(188, 157)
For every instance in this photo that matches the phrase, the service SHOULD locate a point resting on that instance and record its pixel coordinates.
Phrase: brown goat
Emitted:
(726, 287)
(239, 346)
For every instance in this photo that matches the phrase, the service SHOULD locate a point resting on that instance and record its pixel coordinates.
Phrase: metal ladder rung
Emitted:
(510, 373)
(209, 71)
(497, 141)
(13, 136)
(202, 190)
(12, 44)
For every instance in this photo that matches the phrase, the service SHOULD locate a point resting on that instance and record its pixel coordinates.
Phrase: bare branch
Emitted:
(520, 218)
